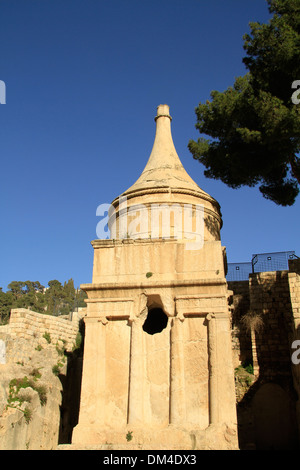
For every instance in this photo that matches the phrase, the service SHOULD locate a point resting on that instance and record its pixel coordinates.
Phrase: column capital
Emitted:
(210, 316)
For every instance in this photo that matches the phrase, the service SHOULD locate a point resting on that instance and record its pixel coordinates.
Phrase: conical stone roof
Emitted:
(164, 168)
(164, 181)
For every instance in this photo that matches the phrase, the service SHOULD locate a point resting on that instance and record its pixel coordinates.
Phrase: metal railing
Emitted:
(260, 262)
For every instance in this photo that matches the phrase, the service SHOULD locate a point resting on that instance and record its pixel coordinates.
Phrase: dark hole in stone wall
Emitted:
(156, 321)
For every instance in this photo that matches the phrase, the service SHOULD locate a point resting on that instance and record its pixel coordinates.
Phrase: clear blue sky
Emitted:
(83, 80)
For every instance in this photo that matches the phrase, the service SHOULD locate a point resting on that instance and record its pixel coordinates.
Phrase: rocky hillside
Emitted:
(36, 377)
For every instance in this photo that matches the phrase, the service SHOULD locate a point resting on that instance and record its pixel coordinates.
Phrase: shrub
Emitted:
(56, 369)
(35, 373)
(16, 385)
(27, 415)
(42, 391)
(78, 341)
(47, 337)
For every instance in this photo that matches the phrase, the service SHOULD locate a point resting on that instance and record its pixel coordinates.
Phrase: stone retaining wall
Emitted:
(269, 412)
(33, 330)
(270, 299)
(241, 340)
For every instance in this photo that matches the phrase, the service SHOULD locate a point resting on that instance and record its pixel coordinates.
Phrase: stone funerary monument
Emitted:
(157, 366)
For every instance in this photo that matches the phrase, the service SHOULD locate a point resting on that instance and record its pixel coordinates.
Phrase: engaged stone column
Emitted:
(137, 370)
(177, 386)
(136, 396)
(213, 369)
(221, 375)
(93, 395)
(226, 385)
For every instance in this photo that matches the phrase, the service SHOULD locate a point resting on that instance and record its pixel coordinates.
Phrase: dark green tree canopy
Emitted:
(255, 124)
(57, 299)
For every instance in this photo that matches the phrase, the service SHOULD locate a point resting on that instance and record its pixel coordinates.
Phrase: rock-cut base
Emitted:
(172, 438)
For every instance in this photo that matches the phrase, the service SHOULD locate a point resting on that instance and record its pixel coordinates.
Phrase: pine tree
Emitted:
(255, 124)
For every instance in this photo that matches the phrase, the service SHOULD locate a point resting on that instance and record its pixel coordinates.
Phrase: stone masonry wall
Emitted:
(269, 412)
(241, 340)
(275, 297)
(270, 299)
(32, 329)
(37, 350)
(294, 286)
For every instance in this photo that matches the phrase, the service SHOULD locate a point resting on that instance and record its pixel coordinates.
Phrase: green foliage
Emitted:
(63, 299)
(15, 385)
(42, 391)
(47, 337)
(129, 436)
(254, 125)
(15, 400)
(78, 341)
(57, 299)
(246, 366)
(244, 378)
(6, 304)
(35, 373)
(249, 368)
(27, 414)
(56, 368)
